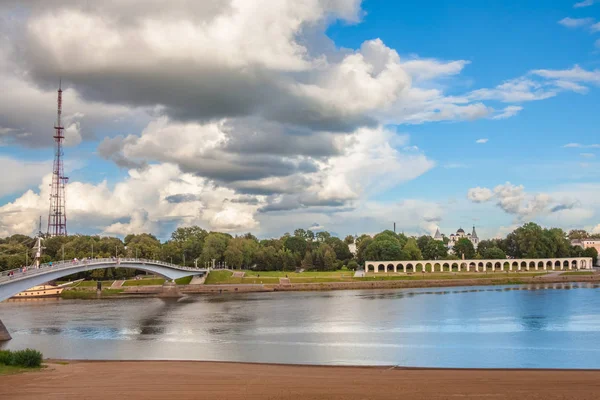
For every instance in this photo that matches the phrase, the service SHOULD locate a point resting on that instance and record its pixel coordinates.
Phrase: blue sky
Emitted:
(201, 140)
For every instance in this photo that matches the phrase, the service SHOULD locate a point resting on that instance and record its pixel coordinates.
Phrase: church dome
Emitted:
(460, 230)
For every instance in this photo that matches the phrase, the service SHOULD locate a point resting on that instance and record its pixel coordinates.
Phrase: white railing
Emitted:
(17, 273)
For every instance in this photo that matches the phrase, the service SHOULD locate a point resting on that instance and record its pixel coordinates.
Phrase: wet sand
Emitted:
(211, 380)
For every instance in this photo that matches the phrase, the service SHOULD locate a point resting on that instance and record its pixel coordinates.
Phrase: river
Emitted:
(543, 326)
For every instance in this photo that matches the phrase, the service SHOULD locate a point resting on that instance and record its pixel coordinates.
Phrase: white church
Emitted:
(460, 234)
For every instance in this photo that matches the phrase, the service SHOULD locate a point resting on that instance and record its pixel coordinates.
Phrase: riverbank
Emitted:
(214, 380)
(364, 283)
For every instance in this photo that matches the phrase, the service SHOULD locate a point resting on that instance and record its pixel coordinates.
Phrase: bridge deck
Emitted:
(30, 271)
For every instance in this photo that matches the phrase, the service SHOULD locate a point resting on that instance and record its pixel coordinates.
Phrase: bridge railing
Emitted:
(17, 273)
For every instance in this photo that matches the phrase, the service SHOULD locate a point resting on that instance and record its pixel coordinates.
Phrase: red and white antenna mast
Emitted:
(57, 217)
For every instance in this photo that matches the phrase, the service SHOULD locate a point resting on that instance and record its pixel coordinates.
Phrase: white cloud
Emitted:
(479, 194)
(568, 206)
(140, 203)
(20, 175)
(582, 146)
(512, 199)
(596, 229)
(576, 22)
(575, 74)
(481, 141)
(428, 69)
(515, 90)
(584, 3)
(587, 155)
(508, 112)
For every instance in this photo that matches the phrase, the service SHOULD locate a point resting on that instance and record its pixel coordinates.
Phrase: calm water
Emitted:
(549, 326)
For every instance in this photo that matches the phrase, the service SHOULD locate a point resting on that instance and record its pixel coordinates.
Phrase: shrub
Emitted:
(353, 265)
(28, 358)
(6, 357)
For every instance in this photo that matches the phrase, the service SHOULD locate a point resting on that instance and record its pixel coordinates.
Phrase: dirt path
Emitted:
(209, 380)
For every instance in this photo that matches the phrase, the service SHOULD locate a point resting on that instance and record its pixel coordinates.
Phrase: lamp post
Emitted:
(92, 250)
(63, 253)
(184, 259)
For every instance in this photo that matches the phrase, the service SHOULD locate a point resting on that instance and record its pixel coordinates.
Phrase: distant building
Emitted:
(455, 237)
(586, 244)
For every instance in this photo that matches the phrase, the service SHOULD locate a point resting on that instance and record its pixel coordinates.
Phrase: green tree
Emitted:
(591, 252)
(464, 248)
(435, 250)
(296, 244)
(578, 234)
(423, 241)
(362, 245)
(323, 236)
(411, 250)
(301, 233)
(234, 254)
(494, 253)
(215, 245)
(341, 249)
(349, 239)
(307, 261)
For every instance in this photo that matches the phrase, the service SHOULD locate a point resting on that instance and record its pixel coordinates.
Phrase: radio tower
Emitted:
(57, 217)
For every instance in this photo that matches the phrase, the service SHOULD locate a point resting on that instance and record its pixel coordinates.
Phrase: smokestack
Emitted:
(394, 227)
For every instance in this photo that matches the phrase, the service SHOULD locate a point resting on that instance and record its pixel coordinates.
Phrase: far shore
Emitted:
(455, 281)
(224, 380)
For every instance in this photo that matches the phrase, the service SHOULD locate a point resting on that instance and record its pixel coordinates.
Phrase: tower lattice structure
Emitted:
(57, 216)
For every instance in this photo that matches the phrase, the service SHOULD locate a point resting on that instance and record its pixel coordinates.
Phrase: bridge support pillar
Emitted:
(4, 335)
(170, 289)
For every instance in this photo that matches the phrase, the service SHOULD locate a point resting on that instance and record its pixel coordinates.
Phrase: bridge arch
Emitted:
(10, 286)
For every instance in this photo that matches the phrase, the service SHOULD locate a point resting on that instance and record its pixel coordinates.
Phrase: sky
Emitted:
(271, 115)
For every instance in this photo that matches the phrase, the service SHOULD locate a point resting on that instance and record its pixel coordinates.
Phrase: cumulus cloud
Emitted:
(481, 141)
(143, 202)
(229, 111)
(479, 194)
(512, 199)
(568, 207)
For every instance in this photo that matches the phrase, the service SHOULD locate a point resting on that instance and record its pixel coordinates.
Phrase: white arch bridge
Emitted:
(17, 280)
(525, 264)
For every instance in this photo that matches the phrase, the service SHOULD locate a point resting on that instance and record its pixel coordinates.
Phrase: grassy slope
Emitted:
(9, 369)
(577, 273)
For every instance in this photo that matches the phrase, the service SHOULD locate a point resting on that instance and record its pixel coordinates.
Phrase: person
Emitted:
(50, 264)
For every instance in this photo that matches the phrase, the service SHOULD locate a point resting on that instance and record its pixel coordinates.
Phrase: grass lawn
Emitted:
(226, 277)
(144, 282)
(88, 294)
(10, 369)
(215, 277)
(307, 274)
(184, 281)
(577, 273)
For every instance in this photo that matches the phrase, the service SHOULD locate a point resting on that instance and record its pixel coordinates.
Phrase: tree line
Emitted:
(304, 249)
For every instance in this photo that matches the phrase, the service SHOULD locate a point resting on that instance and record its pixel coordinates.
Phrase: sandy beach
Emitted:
(212, 380)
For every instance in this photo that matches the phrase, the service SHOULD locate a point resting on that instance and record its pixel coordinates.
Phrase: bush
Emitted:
(353, 265)
(6, 357)
(28, 358)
